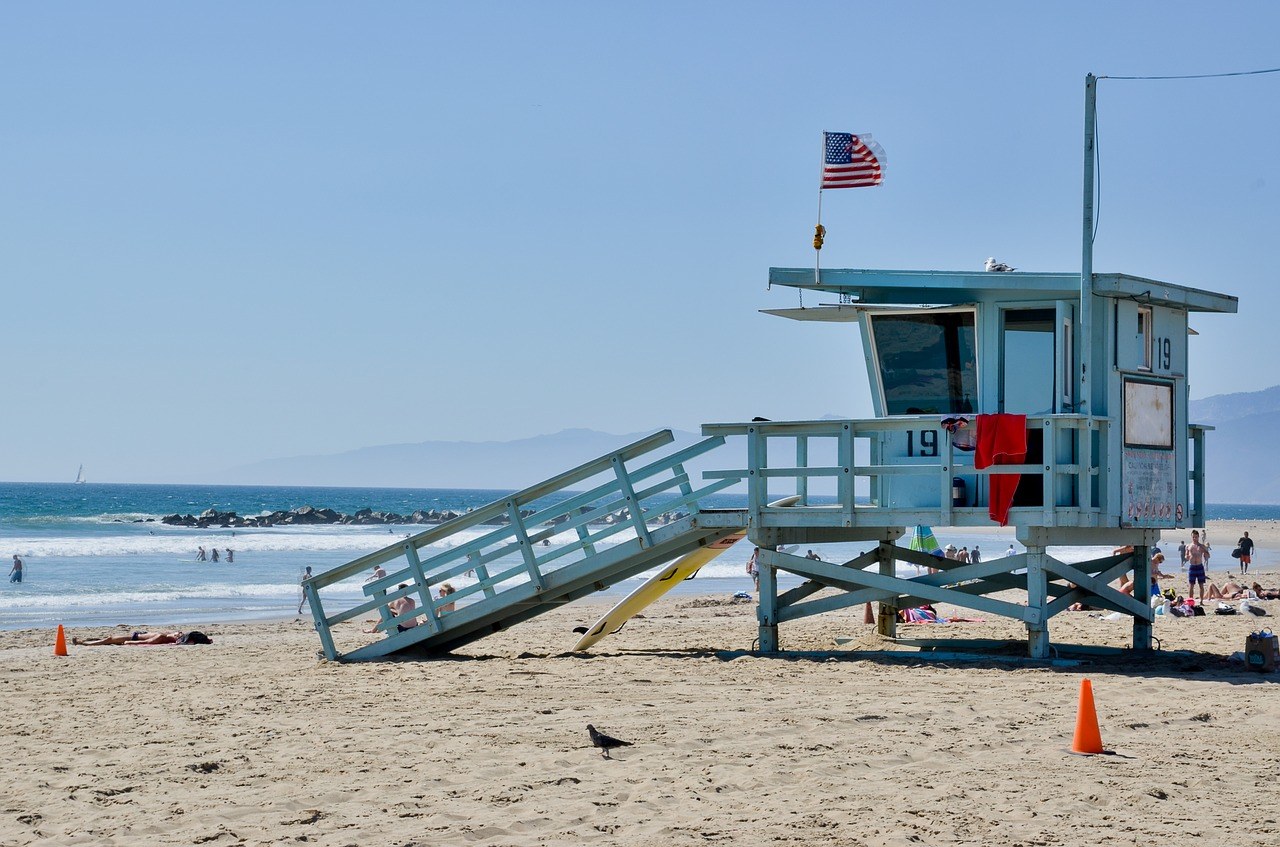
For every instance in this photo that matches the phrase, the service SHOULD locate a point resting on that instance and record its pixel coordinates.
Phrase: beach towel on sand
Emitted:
(1002, 440)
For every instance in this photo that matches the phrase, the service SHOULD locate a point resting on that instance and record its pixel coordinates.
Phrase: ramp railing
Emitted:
(506, 547)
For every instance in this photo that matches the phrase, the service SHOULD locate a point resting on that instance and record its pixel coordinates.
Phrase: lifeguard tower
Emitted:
(1108, 458)
(1055, 402)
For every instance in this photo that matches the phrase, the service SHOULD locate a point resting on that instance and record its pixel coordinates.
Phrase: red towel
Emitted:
(1002, 440)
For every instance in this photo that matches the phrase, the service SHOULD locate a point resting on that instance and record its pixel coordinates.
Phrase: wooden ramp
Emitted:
(636, 513)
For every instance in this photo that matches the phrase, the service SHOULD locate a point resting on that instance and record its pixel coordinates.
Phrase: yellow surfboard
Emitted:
(660, 583)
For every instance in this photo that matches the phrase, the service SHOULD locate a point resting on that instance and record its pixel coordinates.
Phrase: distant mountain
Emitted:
(444, 464)
(1221, 408)
(1242, 454)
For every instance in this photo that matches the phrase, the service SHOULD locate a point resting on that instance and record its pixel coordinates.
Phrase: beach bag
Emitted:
(1225, 609)
(1197, 611)
(1236, 553)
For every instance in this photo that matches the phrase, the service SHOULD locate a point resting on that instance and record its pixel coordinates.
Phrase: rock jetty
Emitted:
(309, 515)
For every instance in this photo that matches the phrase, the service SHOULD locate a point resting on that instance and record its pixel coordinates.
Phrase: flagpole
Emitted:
(819, 231)
(1084, 402)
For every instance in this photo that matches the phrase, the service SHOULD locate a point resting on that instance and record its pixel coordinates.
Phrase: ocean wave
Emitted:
(150, 596)
(182, 543)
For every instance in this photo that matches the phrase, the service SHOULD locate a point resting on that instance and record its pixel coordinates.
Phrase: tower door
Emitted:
(1028, 353)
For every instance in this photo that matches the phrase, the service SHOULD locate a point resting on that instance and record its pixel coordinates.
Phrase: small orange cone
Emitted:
(1088, 739)
(867, 615)
(60, 643)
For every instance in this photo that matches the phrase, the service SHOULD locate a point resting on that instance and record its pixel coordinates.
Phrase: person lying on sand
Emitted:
(141, 639)
(1229, 591)
(1265, 593)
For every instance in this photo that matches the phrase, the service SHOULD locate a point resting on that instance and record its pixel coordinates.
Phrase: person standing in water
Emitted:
(306, 575)
(213, 555)
(231, 556)
(200, 556)
(15, 573)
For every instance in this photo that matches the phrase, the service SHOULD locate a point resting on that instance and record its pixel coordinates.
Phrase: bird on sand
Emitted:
(993, 265)
(605, 742)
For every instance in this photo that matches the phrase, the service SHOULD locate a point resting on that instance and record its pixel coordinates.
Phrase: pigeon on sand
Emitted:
(605, 742)
(993, 265)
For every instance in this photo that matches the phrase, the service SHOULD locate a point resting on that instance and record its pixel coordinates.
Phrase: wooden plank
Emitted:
(851, 580)
(633, 508)
(425, 601)
(1101, 589)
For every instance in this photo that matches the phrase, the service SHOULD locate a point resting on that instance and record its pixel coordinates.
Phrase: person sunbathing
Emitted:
(1266, 593)
(143, 639)
(1230, 591)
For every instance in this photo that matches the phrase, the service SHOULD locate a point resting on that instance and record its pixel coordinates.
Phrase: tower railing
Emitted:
(865, 467)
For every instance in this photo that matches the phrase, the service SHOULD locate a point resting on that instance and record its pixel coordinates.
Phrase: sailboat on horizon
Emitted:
(80, 480)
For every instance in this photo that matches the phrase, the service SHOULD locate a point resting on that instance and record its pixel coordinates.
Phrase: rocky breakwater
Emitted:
(306, 516)
(309, 515)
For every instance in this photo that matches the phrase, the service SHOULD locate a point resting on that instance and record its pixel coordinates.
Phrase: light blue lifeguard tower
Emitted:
(1096, 362)
(1110, 460)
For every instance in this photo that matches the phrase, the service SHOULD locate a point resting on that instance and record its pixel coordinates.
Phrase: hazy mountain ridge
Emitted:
(1242, 453)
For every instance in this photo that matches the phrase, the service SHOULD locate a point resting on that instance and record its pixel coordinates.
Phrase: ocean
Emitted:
(96, 555)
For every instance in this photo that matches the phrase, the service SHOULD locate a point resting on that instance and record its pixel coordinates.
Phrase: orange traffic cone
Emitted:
(867, 615)
(60, 643)
(1088, 739)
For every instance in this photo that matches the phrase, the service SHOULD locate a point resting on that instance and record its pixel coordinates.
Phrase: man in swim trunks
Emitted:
(1197, 560)
(1246, 553)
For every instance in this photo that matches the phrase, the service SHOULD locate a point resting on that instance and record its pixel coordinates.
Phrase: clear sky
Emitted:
(236, 231)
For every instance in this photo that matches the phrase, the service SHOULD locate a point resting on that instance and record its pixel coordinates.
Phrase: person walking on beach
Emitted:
(975, 555)
(302, 601)
(753, 567)
(1182, 555)
(1010, 551)
(15, 573)
(213, 556)
(1246, 552)
(1197, 561)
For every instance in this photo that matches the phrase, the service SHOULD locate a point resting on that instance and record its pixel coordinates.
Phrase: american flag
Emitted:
(851, 161)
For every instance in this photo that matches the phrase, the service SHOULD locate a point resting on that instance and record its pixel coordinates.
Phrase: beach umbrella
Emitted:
(922, 539)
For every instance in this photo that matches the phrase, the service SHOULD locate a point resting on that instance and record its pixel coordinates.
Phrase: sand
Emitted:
(253, 740)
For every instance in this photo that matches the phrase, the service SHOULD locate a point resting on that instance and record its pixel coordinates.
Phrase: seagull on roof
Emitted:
(993, 265)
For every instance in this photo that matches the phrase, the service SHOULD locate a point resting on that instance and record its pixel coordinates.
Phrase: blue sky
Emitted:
(236, 231)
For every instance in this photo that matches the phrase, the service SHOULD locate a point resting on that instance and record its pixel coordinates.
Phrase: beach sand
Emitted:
(253, 740)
